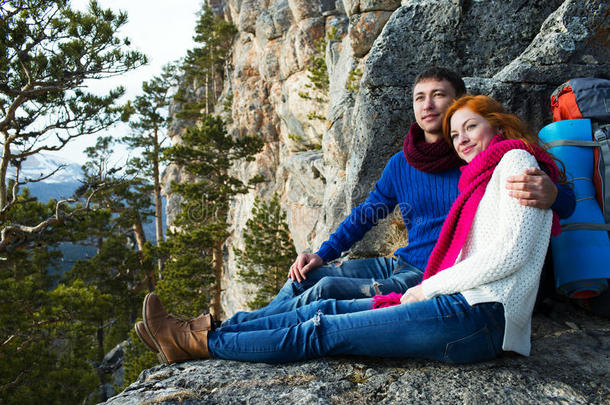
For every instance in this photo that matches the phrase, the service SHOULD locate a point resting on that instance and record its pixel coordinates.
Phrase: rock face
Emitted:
(323, 153)
(569, 364)
(325, 163)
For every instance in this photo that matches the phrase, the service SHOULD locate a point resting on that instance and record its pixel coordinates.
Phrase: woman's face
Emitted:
(470, 133)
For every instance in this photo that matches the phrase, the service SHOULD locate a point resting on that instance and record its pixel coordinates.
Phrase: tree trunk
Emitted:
(207, 92)
(100, 354)
(138, 231)
(213, 65)
(100, 243)
(214, 90)
(100, 341)
(217, 258)
(6, 156)
(158, 202)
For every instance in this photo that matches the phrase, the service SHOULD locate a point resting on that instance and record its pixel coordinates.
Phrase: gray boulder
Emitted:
(569, 364)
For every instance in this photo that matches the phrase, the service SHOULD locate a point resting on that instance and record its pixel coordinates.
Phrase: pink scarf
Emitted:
(472, 184)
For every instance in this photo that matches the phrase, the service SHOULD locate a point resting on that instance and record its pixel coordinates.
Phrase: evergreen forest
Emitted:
(56, 327)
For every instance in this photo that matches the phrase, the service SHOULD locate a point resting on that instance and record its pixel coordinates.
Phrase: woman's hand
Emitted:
(413, 294)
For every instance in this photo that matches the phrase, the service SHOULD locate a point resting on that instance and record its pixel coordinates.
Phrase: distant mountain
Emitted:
(43, 163)
(61, 185)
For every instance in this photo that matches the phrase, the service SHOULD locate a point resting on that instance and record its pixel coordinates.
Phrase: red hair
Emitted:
(509, 124)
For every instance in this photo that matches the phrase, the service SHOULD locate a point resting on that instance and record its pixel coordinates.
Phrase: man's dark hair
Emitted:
(439, 73)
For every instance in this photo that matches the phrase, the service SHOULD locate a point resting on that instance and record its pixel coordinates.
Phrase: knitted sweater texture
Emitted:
(472, 185)
(424, 200)
(502, 256)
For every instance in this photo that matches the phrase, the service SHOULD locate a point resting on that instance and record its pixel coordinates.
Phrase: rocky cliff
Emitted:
(570, 364)
(323, 153)
(325, 150)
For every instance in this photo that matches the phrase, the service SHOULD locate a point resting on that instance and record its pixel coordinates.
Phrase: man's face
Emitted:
(431, 99)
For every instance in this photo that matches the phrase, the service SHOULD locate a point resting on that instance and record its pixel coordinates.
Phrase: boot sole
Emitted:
(160, 353)
(143, 339)
(152, 348)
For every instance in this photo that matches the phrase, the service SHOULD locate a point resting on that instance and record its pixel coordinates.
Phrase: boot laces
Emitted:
(180, 320)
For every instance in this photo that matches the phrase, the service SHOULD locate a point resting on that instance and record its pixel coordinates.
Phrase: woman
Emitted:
(479, 287)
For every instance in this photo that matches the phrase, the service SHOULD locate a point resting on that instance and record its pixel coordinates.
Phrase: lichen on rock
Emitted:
(570, 364)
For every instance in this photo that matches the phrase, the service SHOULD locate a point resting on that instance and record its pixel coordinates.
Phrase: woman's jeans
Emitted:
(444, 328)
(360, 278)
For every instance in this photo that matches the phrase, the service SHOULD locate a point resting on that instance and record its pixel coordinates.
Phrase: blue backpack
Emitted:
(580, 138)
(590, 98)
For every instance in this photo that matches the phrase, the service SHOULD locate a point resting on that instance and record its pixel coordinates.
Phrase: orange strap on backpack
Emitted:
(564, 105)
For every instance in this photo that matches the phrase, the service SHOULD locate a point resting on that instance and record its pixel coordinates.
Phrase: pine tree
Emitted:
(206, 152)
(51, 335)
(122, 270)
(188, 269)
(47, 51)
(122, 266)
(43, 348)
(149, 121)
(268, 251)
(204, 65)
(127, 198)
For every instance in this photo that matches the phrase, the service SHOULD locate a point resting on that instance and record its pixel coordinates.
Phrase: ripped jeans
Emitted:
(359, 278)
(445, 328)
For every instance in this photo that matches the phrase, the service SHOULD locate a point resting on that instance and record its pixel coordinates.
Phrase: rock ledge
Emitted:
(570, 364)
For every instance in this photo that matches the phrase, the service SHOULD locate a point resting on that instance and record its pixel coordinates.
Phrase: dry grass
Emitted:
(397, 235)
(175, 396)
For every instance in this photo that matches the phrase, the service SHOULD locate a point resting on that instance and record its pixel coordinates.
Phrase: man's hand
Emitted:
(413, 294)
(533, 188)
(304, 263)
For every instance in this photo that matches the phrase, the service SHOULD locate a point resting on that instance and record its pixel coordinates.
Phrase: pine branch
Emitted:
(14, 198)
(16, 235)
(16, 381)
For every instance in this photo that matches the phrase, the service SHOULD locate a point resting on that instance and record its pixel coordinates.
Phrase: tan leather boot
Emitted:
(144, 336)
(177, 340)
(202, 322)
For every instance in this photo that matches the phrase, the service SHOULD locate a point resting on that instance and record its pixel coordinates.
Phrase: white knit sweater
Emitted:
(503, 255)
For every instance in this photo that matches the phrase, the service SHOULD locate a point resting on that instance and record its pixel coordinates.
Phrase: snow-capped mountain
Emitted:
(61, 185)
(42, 164)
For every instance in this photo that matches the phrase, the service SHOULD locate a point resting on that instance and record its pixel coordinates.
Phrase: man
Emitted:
(422, 180)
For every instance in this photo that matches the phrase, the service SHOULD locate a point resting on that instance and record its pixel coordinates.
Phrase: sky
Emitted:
(163, 31)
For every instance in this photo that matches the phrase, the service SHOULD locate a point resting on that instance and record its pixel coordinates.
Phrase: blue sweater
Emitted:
(424, 200)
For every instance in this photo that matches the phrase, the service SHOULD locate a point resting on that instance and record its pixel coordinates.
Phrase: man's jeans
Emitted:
(445, 328)
(360, 278)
